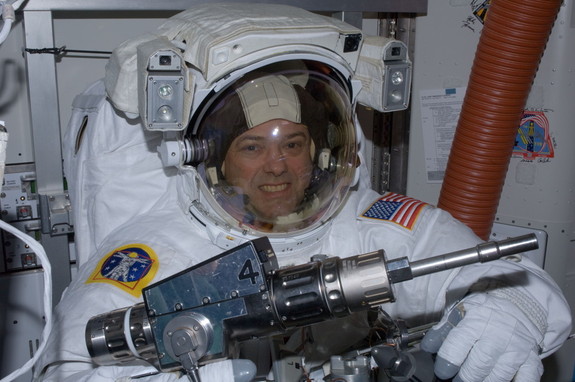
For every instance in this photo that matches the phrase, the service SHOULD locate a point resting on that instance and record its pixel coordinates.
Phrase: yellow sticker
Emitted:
(130, 268)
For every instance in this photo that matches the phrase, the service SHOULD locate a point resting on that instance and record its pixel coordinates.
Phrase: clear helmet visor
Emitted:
(282, 150)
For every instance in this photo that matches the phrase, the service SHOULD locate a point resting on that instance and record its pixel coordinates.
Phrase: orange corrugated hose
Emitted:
(506, 61)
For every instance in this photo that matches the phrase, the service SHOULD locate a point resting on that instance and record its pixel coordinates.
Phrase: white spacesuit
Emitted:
(138, 222)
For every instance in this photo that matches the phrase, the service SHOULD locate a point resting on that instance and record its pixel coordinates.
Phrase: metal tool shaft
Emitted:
(481, 253)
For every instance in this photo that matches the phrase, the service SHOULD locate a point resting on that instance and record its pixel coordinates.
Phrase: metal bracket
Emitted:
(56, 214)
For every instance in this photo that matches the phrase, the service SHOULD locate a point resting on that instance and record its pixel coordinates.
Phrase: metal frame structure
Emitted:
(399, 6)
(43, 89)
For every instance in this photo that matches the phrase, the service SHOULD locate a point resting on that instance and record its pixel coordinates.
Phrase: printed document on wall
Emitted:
(439, 115)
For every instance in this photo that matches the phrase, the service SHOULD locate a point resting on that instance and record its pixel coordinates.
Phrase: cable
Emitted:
(8, 9)
(39, 251)
(37, 248)
(63, 50)
(8, 16)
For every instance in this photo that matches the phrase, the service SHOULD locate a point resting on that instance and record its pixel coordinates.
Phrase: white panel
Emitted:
(75, 70)
(14, 106)
(21, 321)
(539, 193)
(505, 231)
(543, 188)
(445, 43)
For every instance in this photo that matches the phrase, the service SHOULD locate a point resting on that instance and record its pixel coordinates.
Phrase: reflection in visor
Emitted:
(282, 154)
(271, 165)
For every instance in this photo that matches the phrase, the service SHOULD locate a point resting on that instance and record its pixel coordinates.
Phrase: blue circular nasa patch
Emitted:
(131, 268)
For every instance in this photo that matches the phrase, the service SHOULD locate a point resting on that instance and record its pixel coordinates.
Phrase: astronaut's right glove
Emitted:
(492, 336)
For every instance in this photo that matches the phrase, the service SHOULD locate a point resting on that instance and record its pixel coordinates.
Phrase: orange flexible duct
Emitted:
(508, 55)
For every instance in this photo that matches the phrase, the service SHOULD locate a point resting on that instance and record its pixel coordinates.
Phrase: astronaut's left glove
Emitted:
(492, 336)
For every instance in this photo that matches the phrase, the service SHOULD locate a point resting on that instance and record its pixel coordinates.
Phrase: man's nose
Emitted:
(275, 162)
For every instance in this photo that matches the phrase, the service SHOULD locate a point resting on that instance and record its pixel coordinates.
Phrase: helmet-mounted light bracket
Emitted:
(162, 78)
(384, 69)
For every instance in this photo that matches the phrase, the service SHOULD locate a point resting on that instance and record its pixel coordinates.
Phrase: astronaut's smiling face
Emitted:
(271, 164)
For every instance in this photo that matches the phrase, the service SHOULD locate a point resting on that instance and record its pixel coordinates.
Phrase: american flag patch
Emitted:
(398, 209)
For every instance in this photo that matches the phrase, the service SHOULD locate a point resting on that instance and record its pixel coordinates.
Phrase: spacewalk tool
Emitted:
(201, 313)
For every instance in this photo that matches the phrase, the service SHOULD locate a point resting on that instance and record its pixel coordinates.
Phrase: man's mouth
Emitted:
(274, 187)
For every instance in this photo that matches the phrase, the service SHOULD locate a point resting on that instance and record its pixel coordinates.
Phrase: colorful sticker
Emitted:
(395, 208)
(480, 9)
(131, 268)
(533, 139)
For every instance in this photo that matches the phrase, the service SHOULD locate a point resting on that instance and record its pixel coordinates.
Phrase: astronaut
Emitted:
(277, 154)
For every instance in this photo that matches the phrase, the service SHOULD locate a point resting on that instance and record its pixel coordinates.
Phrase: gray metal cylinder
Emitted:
(121, 336)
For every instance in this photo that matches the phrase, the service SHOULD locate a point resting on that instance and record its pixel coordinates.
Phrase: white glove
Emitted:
(491, 336)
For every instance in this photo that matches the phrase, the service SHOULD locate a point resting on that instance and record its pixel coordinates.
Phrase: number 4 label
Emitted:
(247, 272)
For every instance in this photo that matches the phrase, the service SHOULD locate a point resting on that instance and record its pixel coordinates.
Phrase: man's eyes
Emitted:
(289, 146)
(296, 144)
(292, 145)
(251, 148)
